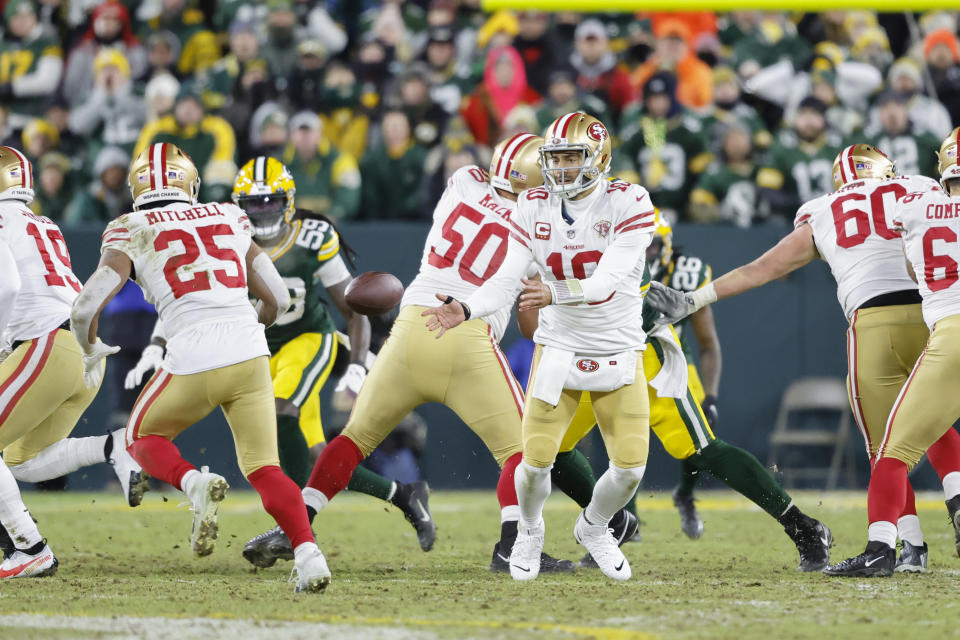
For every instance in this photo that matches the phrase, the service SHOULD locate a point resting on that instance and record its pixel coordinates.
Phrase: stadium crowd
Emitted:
(731, 118)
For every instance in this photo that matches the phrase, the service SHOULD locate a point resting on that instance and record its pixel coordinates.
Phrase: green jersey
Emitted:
(21, 58)
(684, 273)
(911, 152)
(309, 260)
(729, 192)
(801, 171)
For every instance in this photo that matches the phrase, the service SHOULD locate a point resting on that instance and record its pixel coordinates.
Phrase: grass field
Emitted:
(129, 574)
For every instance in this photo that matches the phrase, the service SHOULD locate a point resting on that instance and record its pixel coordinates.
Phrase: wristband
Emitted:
(466, 311)
(566, 291)
(702, 297)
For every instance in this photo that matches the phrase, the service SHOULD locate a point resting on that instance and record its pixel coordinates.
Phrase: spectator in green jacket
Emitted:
(53, 191)
(392, 172)
(109, 196)
(328, 181)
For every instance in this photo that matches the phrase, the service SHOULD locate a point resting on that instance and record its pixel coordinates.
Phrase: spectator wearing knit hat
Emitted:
(942, 53)
(537, 47)
(564, 96)
(504, 86)
(597, 67)
(109, 28)
(392, 172)
(112, 113)
(24, 88)
(926, 113)
(196, 46)
(898, 136)
(109, 196)
(53, 190)
(673, 53)
(240, 79)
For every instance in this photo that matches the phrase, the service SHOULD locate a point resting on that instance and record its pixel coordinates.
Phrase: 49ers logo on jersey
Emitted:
(588, 366)
(597, 131)
(602, 228)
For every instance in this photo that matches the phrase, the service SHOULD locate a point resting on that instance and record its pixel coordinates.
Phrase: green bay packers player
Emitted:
(313, 259)
(685, 272)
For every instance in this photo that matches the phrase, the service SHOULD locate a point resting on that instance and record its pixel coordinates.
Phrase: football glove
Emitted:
(93, 362)
(677, 305)
(352, 379)
(709, 406)
(150, 359)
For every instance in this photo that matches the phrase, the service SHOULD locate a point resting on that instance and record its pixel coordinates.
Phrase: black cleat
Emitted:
(264, 550)
(813, 544)
(953, 508)
(625, 528)
(413, 500)
(500, 563)
(6, 544)
(912, 559)
(690, 522)
(877, 561)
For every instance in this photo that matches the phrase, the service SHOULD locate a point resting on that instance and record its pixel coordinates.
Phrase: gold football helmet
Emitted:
(859, 162)
(949, 157)
(660, 249)
(16, 176)
(264, 189)
(163, 171)
(515, 164)
(575, 132)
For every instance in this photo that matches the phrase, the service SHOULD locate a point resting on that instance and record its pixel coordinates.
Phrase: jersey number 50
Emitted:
(201, 279)
(446, 259)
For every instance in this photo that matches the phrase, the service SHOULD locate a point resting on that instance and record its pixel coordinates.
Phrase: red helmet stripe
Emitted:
(513, 147)
(956, 153)
(560, 127)
(566, 125)
(163, 163)
(151, 152)
(506, 150)
(853, 167)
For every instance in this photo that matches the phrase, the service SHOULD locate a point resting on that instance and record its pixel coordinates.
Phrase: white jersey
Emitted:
(190, 261)
(466, 244)
(930, 224)
(854, 234)
(48, 286)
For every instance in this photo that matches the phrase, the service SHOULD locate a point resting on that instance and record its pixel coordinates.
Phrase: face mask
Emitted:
(281, 36)
(726, 105)
(341, 96)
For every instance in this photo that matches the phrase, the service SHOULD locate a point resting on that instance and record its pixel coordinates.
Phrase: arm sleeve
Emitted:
(43, 81)
(616, 264)
(501, 289)
(9, 284)
(333, 271)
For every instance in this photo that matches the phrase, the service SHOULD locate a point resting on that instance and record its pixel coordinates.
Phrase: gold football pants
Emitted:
(299, 370)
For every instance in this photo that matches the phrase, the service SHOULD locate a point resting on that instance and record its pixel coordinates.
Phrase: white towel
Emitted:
(671, 380)
(559, 369)
(551, 374)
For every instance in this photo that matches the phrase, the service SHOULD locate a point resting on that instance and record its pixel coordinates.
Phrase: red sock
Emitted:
(160, 458)
(506, 490)
(944, 454)
(910, 506)
(334, 468)
(887, 492)
(282, 500)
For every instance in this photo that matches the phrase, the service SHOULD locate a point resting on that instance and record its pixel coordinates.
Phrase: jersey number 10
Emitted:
(201, 279)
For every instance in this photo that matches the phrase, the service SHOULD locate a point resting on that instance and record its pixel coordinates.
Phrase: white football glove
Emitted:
(677, 305)
(150, 359)
(93, 362)
(352, 380)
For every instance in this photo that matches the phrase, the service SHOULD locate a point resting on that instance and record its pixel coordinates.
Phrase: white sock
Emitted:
(510, 513)
(533, 489)
(883, 531)
(13, 513)
(304, 550)
(314, 498)
(187, 480)
(908, 529)
(60, 458)
(612, 492)
(951, 484)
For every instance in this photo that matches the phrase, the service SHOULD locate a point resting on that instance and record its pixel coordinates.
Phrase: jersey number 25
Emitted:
(201, 279)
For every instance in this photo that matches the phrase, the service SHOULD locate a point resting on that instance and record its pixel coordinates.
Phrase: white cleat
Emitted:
(25, 565)
(313, 575)
(205, 495)
(601, 544)
(525, 557)
(133, 479)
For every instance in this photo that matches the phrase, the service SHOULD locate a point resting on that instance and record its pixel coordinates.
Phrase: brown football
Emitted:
(374, 292)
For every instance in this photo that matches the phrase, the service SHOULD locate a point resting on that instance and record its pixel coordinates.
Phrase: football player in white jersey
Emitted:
(928, 404)
(587, 238)
(195, 263)
(42, 389)
(468, 372)
(851, 230)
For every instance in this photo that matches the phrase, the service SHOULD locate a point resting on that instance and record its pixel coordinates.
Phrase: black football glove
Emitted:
(709, 406)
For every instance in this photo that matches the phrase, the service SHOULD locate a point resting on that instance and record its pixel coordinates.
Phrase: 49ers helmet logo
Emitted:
(588, 366)
(597, 131)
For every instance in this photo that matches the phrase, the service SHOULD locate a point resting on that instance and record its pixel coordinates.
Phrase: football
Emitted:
(374, 292)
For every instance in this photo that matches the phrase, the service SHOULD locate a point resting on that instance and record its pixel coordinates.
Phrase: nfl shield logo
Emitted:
(602, 228)
(571, 233)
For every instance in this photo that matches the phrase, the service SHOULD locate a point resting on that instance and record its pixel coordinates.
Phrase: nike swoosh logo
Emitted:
(23, 567)
(874, 561)
(519, 567)
(620, 566)
(500, 555)
(825, 540)
(424, 516)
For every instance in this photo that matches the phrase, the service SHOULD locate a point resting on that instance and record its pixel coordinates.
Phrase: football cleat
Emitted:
(500, 563)
(6, 544)
(813, 544)
(313, 575)
(690, 522)
(133, 480)
(912, 559)
(265, 549)
(876, 561)
(603, 548)
(413, 500)
(205, 495)
(526, 553)
(953, 508)
(21, 564)
(625, 527)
